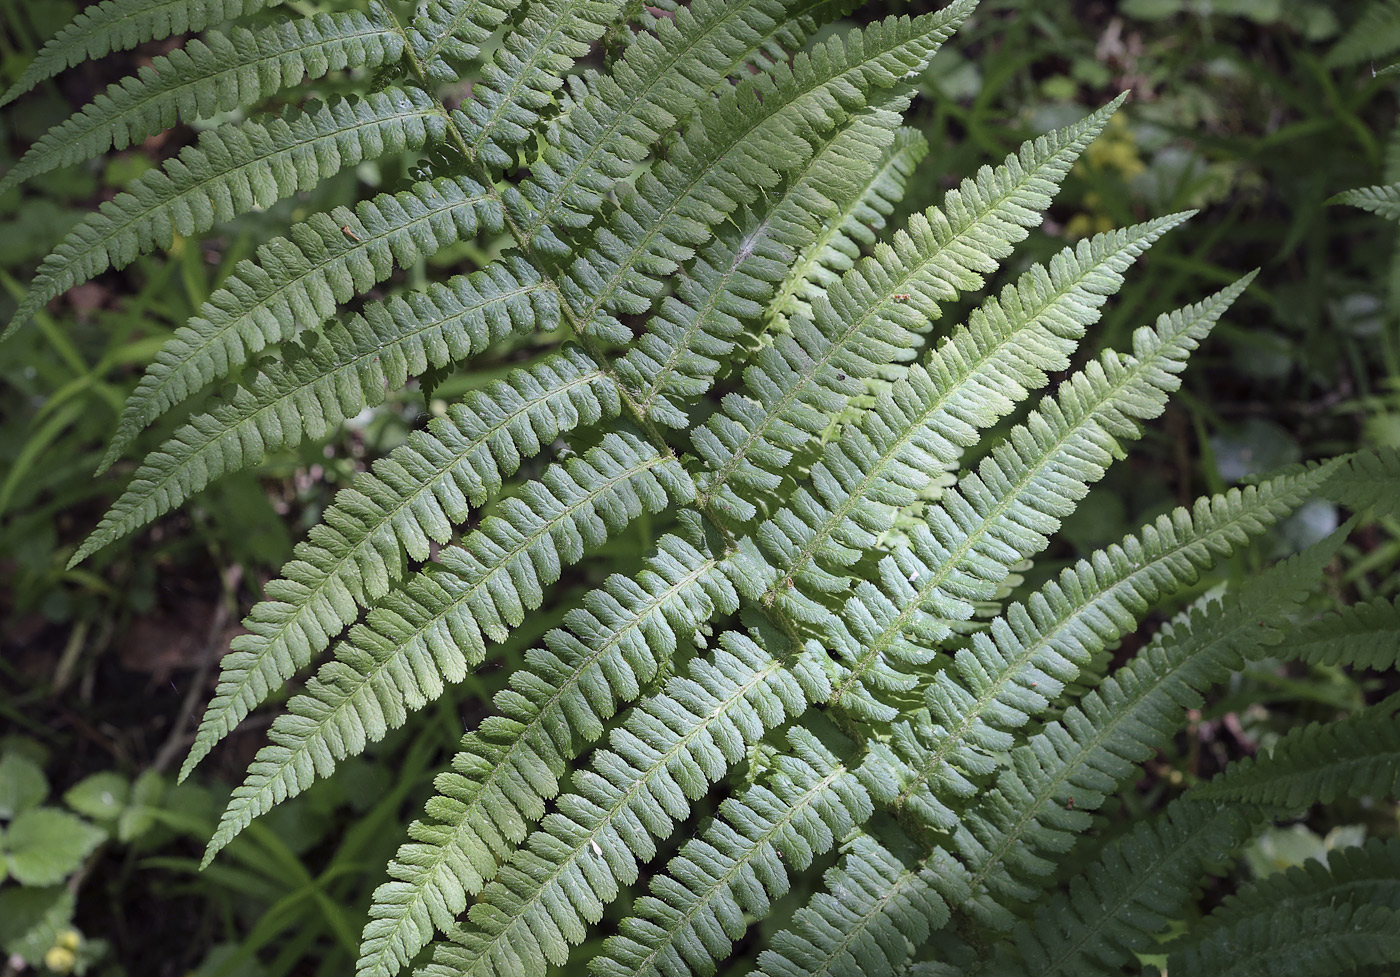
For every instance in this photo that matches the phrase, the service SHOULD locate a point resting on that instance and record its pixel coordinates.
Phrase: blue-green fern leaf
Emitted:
(229, 171)
(209, 76)
(118, 25)
(410, 499)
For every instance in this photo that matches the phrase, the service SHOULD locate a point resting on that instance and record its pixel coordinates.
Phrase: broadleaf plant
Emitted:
(828, 638)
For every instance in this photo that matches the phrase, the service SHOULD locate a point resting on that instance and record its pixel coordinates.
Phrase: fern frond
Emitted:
(523, 73)
(216, 74)
(1125, 901)
(667, 753)
(296, 283)
(1319, 941)
(871, 318)
(921, 425)
(1003, 512)
(1357, 757)
(733, 148)
(855, 225)
(435, 628)
(1011, 672)
(1383, 201)
(228, 172)
(1367, 482)
(1367, 875)
(676, 358)
(1376, 34)
(1042, 798)
(874, 911)
(411, 499)
(316, 387)
(117, 25)
(1365, 635)
(446, 35)
(610, 648)
(663, 74)
(737, 865)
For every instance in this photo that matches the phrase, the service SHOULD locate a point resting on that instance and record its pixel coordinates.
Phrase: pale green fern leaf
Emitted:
(679, 354)
(446, 35)
(228, 172)
(296, 283)
(666, 754)
(525, 70)
(315, 387)
(1381, 200)
(117, 25)
(661, 77)
(1042, 798)
(409, 500)
(1011, 672)
(434, 628)
(735, 147)
(216, 74)
(737, 865)
(921, 425)
(609, 649)
(873, 316)
(854, 226)
(874, 911)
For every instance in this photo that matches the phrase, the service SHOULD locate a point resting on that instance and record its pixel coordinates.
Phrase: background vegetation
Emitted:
(1256, 112)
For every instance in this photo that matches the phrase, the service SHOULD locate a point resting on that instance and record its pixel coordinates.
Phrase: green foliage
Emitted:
(809, 656)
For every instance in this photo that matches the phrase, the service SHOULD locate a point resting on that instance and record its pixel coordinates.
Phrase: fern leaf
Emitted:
(1126, 900)
(118, 25)
(1317, 942)
(611, 648)
(448, 33)
(1357, 757)
(1365, 635)
(920, 426)
(1012, 672)
(216, 74)
(874, 911)
(1381, 200)
(666, 754)
(231, 170)
(296, 283)
(737, 865)
(1367, 482)
(1376, 34)
(855, 226)
(873, 316)
(411, 499)
(525, 70)
(1042, 798)
(435, 628)
(661, 77)
(1368, 875)
(676, 358)
(734, 148)
(315, 388)
(1004, 512)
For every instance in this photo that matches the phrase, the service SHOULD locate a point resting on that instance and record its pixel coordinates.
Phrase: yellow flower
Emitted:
(60, 959)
